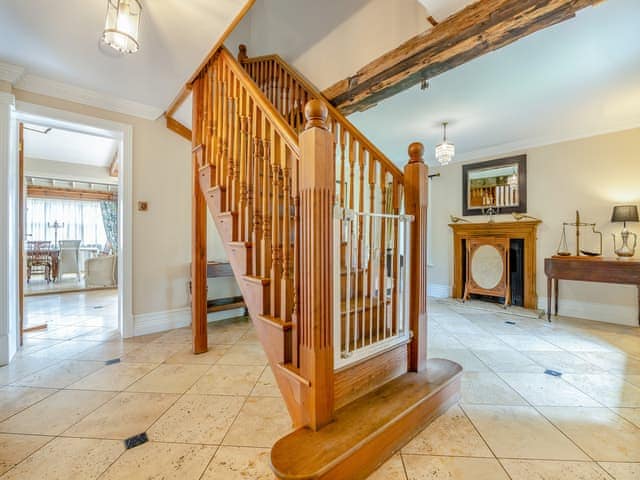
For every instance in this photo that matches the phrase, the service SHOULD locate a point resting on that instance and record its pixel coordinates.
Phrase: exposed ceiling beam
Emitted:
(480, 28)
(177, 127)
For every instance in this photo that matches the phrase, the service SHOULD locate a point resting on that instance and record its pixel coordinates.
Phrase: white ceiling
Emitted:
(576, 79)
(441, 9)
(70, 147)
(59, 41)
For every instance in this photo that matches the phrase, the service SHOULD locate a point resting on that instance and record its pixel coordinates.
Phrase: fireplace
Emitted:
(522, 258)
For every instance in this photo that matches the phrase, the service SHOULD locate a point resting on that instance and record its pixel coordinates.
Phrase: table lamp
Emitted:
(624, 214)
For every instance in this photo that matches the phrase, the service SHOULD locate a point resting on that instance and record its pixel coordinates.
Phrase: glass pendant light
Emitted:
(445, 151)
(122, 25)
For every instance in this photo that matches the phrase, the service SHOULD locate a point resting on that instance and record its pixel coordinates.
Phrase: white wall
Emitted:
(67, 171)
(591, 175)
(328, 43)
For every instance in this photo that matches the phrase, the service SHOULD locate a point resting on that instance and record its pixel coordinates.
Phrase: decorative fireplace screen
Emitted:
(488, 268)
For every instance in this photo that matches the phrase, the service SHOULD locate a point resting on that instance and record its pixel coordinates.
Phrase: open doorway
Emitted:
(72, 231)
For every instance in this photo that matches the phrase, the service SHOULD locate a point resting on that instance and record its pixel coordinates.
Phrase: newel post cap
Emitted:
(416, 153)
(242, 52)
(316, 114)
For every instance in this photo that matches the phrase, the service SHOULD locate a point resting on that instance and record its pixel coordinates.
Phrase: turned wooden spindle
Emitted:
(242, 53)
(416, 176)
(317, 192)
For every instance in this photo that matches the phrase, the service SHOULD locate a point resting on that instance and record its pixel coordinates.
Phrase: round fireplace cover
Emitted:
(487, 267)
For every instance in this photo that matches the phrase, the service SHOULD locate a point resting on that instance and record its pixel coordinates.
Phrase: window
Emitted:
(82, 221)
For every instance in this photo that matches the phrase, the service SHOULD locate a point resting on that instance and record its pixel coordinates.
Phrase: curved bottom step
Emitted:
(366, 432)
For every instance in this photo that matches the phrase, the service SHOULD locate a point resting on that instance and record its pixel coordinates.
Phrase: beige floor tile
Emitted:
(161, 461)
(56, 413)
(114, 377)
(633, 379)
(203, 419)
(561, 361)
(392, 469)
(16, 399)
(468, 361)
(527, 342)
(541, 389)
(631, 414)
(577, 343)
(622, 471)
(186, 355)
(616, 362)
(508, 361)
(451, 434)
(175, 378)
(521, 432)
(229, 337)
(227, 380)
(598, 431)
(239, 463)
(60, 375)
(609, 390)
(482, 341)
(22, 366)
(107, 351)
(66, 350)
(151, 353)
(553, 470)
(179, 335)
(260, 423)
(244, 354)
(15, 448)
(124, 415)
(68, 459)
(266, 385)
(251, 336)
(421, 467)
(488, 388)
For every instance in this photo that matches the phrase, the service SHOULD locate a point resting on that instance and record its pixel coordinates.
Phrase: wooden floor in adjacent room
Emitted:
(64, 413)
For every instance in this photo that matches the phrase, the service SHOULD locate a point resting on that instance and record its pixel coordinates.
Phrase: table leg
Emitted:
(555, 294)
(549, 282)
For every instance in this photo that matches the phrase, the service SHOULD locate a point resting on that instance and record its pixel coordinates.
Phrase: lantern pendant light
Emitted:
(122, 25)
(445, 151)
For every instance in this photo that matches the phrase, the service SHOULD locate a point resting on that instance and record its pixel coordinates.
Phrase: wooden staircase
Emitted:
(327, 240)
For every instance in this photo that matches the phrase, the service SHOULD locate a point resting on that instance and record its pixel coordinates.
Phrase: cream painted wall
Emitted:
(304, 31)
(592, 175)
(66, 170)
(161, 235)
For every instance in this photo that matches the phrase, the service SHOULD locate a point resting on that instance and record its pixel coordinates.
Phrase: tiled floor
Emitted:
(64, 413)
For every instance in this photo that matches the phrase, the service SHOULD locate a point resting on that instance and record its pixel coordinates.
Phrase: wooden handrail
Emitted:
(334, 113)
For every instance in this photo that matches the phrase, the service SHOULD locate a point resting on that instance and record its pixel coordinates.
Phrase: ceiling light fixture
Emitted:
(445, 151)
(122, 25)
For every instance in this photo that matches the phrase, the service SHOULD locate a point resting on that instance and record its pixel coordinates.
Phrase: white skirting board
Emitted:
(155, 322)
(438, 291)
(600, 312)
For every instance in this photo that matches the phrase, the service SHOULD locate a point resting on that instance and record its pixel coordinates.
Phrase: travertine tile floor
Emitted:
(64, 413)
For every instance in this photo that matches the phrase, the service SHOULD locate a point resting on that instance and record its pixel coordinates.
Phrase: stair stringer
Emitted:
(274, 338)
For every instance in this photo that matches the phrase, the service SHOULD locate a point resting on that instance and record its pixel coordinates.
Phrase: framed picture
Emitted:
(499, 184)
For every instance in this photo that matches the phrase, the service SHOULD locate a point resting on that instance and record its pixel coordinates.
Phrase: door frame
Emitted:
(53, 117)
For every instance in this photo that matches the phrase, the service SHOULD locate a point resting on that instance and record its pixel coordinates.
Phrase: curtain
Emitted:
(110, 221)
(82, 220)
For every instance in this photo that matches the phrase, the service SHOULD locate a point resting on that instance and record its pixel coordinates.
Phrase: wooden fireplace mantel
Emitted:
(526, 230)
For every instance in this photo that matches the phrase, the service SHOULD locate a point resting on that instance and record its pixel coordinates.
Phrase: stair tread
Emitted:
(369, 302)
(276, 321)
(254, 279)
(307, 454)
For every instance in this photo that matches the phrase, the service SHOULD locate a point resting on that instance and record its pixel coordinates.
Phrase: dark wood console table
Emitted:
(589, 269)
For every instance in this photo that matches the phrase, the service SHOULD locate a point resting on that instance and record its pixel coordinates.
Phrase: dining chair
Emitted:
(69, 261)
(39, 259)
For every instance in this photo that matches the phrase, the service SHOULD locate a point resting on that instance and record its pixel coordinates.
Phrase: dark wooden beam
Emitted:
(480, 28)
(177, 127)
(38, 191)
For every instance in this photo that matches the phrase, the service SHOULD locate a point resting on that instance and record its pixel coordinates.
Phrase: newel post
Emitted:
(416, 177)
(198, 229)
(317, 194)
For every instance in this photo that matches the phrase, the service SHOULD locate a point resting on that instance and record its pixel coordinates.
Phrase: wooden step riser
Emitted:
(205, 177)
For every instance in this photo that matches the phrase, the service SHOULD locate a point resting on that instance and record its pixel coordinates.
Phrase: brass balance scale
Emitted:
(563, 249)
